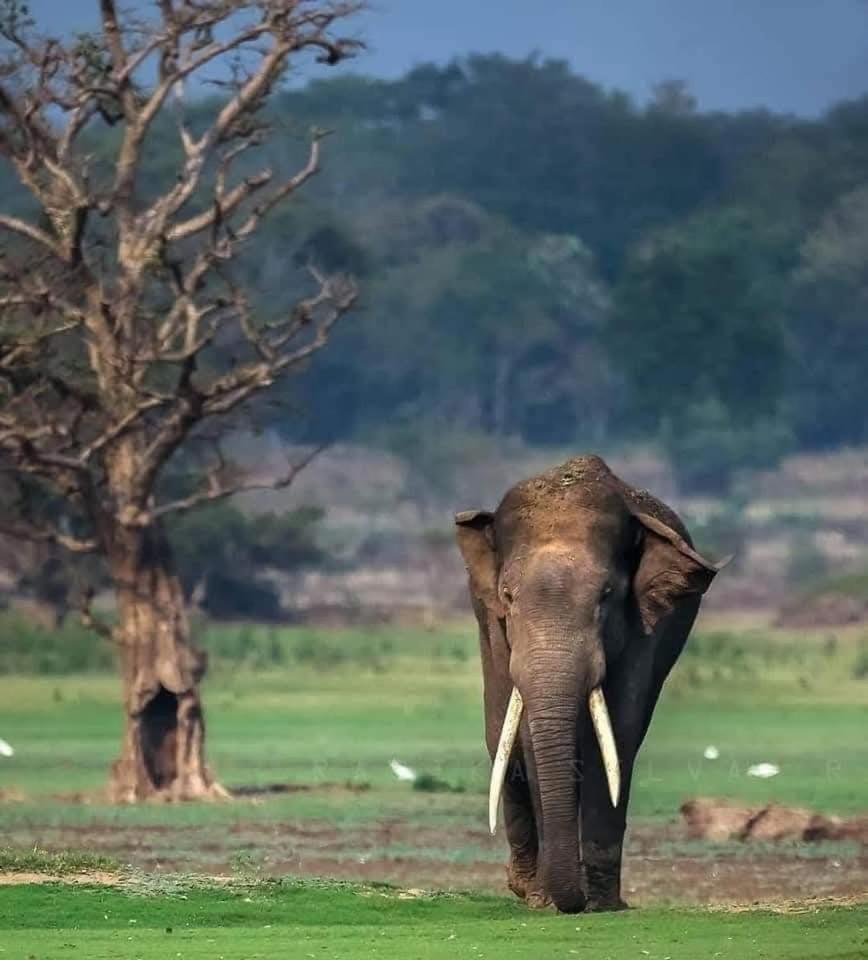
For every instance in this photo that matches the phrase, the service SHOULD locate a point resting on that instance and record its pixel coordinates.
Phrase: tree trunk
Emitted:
(163, 748)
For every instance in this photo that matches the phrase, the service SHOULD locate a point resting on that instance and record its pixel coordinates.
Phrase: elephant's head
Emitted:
(570, 566)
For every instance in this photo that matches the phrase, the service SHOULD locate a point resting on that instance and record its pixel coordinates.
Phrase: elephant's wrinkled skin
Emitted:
(577, 580)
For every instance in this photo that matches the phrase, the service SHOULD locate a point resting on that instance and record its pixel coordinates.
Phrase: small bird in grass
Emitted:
(764, 770)
(6, 749)
(402, 772)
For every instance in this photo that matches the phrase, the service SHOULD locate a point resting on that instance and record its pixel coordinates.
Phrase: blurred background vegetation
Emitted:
(548, 266)
(545, 260)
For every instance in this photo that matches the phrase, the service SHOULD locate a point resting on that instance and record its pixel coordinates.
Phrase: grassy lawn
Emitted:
(266, 730)
(345, 921)
(325, 713)
(370, 697)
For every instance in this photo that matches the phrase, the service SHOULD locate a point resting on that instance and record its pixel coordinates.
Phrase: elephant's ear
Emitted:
(669, 569)
(475, 536)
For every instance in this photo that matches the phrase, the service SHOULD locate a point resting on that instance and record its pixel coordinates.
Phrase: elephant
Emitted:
(585, 590)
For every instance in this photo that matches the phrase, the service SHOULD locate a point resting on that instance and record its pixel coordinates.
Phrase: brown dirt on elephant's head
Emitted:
(581, 483)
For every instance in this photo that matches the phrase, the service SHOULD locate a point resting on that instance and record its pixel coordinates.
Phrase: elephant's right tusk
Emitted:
(508, 734)
(606, 740)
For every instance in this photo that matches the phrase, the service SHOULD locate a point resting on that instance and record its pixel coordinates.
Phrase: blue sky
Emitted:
(790, 55)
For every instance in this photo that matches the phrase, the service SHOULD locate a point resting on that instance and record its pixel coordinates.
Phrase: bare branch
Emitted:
(42, 298)
(225, 393)
(291, 38)
(129, 156)
(79, 118)
(310, 169)
(218, 488)
(153, 223)
(22, 530)
(24, 229)
(120, 427)
(224, 205)
(115, 43)
(89, 619)
(145, 290)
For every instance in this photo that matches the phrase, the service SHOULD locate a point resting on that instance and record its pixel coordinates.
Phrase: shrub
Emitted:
(318, 651)
(860, 667)
(231, 596)
(26, 647)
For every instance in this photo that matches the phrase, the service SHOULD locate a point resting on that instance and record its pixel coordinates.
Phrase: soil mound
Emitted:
(710, 819)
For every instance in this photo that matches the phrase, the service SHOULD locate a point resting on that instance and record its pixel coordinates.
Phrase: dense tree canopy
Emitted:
(705, 285)
(545, 259)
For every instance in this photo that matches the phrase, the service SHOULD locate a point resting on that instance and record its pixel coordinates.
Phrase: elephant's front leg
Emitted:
(521, 832)
(631, 695)
(632, 689)
(602, 829)
(519, 815)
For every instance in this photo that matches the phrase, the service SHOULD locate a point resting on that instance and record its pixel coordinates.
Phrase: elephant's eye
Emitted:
(508, 596)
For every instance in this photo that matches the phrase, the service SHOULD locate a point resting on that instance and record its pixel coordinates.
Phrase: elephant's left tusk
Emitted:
(606, 740)
(508, 733)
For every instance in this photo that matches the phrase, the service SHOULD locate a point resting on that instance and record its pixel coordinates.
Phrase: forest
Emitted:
(545, 260)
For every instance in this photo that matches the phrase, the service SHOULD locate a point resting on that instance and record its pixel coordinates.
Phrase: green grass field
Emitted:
(323, 713)
(339, 716)
(344, 921)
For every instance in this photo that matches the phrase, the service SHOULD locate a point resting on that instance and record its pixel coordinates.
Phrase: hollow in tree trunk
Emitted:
(163, 748)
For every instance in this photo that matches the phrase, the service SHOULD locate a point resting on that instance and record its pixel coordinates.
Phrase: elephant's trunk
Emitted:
(554, 688)
(552, 717)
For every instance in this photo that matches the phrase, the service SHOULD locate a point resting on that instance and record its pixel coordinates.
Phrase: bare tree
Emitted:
(124, 331)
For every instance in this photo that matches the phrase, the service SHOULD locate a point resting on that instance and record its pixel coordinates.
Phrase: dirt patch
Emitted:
(810, 905)
(711, 820)
(438, 857)
(646, 880)
(272, 789)
(92, 877)
(717, 820)
(854, 829)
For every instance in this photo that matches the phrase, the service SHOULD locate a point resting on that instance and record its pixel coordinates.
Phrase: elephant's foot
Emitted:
(605, 904)
(602, 870)
(537, 899)
(520, 876)
(522, 880)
